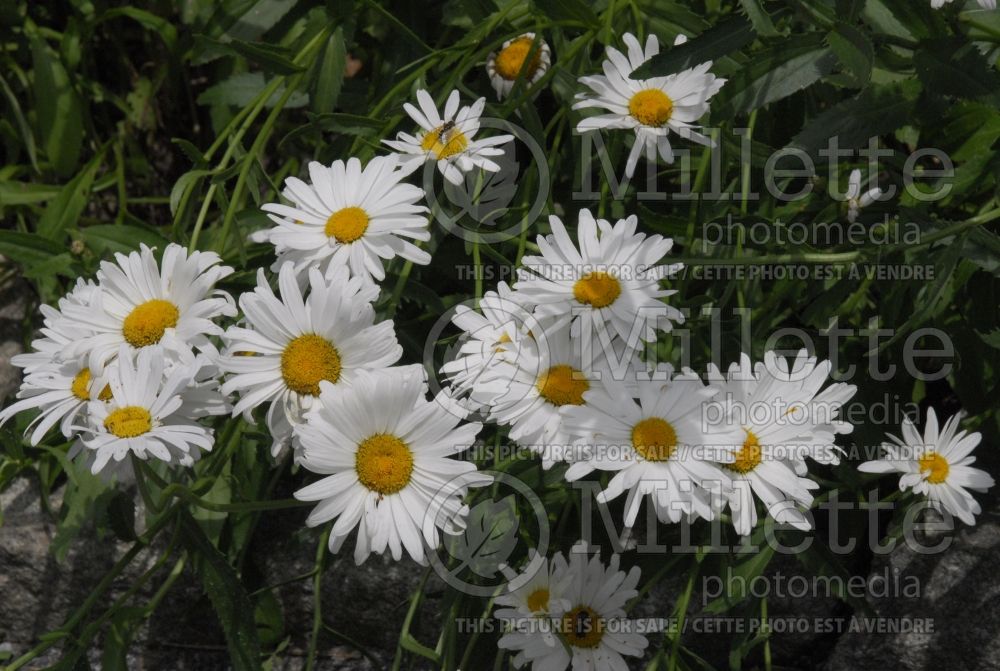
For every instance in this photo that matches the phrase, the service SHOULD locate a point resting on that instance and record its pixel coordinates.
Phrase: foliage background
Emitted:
(173, 121)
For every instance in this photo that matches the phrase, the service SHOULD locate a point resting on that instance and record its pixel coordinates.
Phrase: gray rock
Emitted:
(959, 598)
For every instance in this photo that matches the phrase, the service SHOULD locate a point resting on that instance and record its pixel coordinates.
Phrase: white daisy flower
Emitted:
(857, 200)
(593, 631)
(60, 392)
(290, 344)
(58, 332)
(491, 334)
(776, 419)
(349, 216)
(386, 452)
(937, 465)
(146, 415)
(985, 4)
(657, 442)
(548, 373)
(504, 66)
(533, 604)
(448, 141)
(611, 280)
(651, 107)
(169, 307)
(800, 416)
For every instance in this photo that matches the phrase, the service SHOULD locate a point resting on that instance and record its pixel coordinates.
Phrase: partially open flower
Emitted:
(522, 57)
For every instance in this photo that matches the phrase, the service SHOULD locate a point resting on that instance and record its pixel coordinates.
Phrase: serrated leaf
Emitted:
(489, 538)
(945, 67)
(876, 111)
(229, 599)
(784, 69)
(759, 17)
(724, 38)
(854, 50)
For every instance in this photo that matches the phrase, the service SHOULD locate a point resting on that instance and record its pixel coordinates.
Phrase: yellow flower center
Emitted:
(562, 385)
(307, 360)
(444, 143)
(651, 107)
(749, 456)
(384, 463)
(129, 421)
(937, 466)
(598, 289)
(146, 323)
(81, 387)
(538, 601)
(347, 225)
(654, 439)
(582, 627)
(511, 59)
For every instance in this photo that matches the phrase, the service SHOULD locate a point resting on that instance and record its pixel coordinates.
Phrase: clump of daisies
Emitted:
(578, 313)
(936, 465)
(571, 613)
(653, 107)
(126, 365)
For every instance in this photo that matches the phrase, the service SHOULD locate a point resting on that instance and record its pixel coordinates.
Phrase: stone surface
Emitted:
(959, 593)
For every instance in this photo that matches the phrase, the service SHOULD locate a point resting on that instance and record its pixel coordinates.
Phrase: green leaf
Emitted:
(229, 599)
(773, 74)
(946, 68)
(737, 580)
(489, 538)
(26, 193)
(335, 122)
(759, 17)
(724, 38)
(239, 90)
(27, 249)
(22, 123)
(984, 24)
(575, 11)
(64, 211)
(876, 111)
(270, 57)
(59, 109)
(854, 51)
(158, 25)
(110, 238)
(330, 73)
(121, 516)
